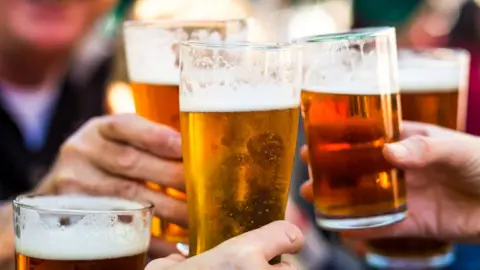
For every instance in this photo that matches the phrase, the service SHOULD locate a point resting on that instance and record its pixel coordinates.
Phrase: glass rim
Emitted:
(231, 45)
(145, 205)
(354, 34)
(175, 22)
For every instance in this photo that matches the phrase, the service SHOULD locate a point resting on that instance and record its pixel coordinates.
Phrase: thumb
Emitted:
(420, 151)
(276, 238)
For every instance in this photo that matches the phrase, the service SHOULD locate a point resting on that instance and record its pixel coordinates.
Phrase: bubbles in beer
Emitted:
(267, 150)
(78, 229)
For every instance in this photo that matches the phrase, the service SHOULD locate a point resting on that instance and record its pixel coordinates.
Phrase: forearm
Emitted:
(7, 247)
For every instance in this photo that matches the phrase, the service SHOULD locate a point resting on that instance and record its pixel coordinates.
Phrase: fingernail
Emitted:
(398, 150)
(291, 236)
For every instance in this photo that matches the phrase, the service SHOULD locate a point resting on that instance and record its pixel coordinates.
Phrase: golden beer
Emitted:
(346, 134)
(433, 86)
(238, 165)
(152, 49)
(80, 232)
(239, 126)
(351, 109)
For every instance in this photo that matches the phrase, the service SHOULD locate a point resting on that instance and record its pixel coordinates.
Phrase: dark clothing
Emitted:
(20, 169)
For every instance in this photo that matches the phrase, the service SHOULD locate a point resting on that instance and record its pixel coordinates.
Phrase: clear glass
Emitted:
(433, 85)
(152, 53)
(351, 108)
(239, 110)
(80, 232)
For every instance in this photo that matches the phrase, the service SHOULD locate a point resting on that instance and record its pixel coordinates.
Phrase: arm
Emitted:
(7, 247)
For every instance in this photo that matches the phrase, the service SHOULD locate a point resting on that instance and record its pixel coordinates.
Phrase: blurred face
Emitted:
(49, 24)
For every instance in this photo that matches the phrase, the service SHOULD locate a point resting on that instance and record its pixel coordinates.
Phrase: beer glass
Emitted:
(152, 49)
(351, 108)
(80, 232)
(433, 85)
(239, 109)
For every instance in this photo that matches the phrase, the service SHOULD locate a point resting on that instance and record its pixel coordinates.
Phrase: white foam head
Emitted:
(217, 98)
(90, 235)
(421, 73)
(233, 90)
(150, 54)
(150, 46)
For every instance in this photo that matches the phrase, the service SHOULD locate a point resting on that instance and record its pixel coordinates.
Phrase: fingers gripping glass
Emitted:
(152, 52)
(433, 86)
(239, 110)
(351, 108)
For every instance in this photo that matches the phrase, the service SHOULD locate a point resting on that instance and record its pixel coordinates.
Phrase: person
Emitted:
(443, 181)
(49, 87)
(109, 156)
(443, 184)
(108, 153)
(251, 250)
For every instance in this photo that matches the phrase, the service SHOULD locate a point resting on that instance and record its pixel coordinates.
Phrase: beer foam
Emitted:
(429, 75)
(89, 236)
(150, 55)
(222, 98)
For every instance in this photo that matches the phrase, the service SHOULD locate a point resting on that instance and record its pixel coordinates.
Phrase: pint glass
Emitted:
(433, 85)
(152, 49)
(351, 108)
(80, 232)
(239, 109)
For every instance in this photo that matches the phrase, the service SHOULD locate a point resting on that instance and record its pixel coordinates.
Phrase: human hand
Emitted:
(443, 184)
(248, 251)
(114, 156)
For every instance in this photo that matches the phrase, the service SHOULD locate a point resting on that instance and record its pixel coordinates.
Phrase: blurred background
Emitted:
(419, 23)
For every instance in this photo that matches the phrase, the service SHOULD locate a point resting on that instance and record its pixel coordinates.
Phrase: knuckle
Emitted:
(114, 123)
(423, 146)
(127, 159)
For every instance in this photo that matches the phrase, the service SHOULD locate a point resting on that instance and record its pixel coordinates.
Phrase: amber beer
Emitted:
(239, 127)
(433, 90)
(351, 109)
(60, 233)
(346, 133)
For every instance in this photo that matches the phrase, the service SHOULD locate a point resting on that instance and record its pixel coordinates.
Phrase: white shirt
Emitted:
(31, 109)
